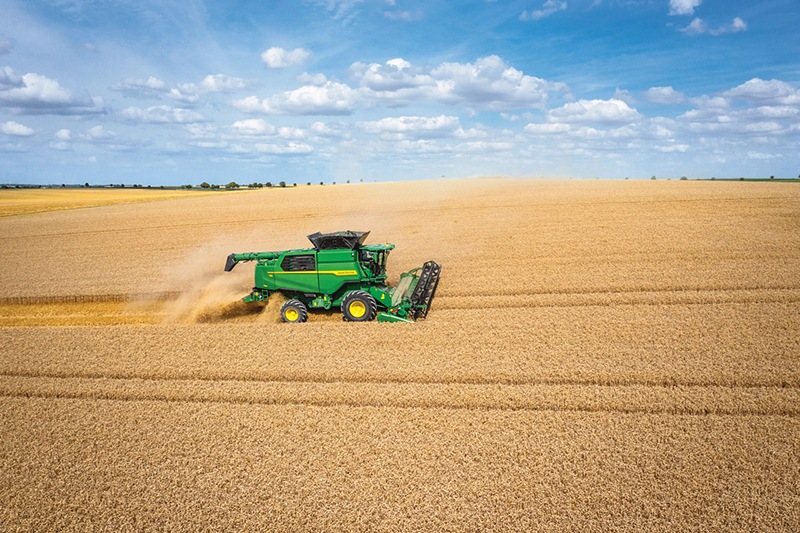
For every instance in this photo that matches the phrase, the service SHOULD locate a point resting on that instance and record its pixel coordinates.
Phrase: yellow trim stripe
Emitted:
(334, 272)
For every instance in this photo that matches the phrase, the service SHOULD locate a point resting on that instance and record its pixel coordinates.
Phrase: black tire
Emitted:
(359, 306)
(294, 311)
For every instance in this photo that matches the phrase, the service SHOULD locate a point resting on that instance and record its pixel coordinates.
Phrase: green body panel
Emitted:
(256, 256)
(386, 317)
(337, 268)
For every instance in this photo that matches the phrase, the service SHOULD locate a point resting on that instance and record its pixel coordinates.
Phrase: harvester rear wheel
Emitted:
(359, 306)
(294, 311)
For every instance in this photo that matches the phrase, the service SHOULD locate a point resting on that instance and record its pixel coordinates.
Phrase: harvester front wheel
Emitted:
(294, 311)
(359, 306)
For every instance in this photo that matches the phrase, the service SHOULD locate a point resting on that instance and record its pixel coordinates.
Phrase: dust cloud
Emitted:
(206, 293)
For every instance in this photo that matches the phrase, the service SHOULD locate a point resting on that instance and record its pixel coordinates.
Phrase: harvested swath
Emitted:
(87, 313)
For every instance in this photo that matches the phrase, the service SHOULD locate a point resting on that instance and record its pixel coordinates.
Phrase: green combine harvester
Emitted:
(340, 271)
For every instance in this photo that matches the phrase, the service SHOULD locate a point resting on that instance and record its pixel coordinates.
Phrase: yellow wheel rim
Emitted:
(291, 315)
(357, 309)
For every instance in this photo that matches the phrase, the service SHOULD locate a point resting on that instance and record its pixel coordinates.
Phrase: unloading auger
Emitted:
(341, 271)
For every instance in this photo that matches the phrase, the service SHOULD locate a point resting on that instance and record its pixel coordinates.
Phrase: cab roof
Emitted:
(338, 241)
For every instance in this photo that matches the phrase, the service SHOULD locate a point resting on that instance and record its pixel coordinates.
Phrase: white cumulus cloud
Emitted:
(285, 149)
(696, 27)
(758, 91)
(333, 98)
(201, 131)
(9, 80)
(209, 144)
(489, 83)
(594, 111)
(312, 79)
(673, 148)
(16, 129)
(783, 111)
(330, 130)
(36, 94)
(699, 26)
(185, 93)
(485, 146)
(773, 109)
(288, 132)
(683, 7)
(625, 96)
(472, 133)
(253, 126)
(162, 115)
(395, 75)
(98, 134)
(220, 83)
(60, 145)
(320, 128)
(736, 26)
(412, 127)
(663, 96)
(545, 129)
(277, 57)
(62, 142)
(422, 146)
(764, 127)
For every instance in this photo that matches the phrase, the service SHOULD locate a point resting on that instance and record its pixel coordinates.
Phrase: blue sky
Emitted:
(185, 91)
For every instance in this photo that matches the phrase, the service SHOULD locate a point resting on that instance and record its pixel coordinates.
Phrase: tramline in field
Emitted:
(341, 271)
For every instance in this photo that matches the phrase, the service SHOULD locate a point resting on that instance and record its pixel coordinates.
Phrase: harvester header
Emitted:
(340, 271)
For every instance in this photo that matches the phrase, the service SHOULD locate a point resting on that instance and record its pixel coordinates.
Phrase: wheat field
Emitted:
(600, 355)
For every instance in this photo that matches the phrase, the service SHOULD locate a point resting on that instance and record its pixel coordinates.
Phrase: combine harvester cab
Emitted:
(341, 271)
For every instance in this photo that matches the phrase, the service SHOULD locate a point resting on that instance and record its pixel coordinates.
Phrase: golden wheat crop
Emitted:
(599, 356)
(15, 202)
(153, 465)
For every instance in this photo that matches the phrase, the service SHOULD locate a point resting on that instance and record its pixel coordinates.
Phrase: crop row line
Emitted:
(527, 304)
(619, 290)
(664, 383)
(377, 404)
